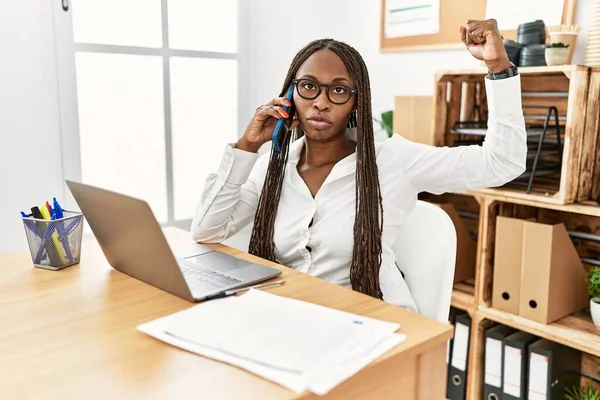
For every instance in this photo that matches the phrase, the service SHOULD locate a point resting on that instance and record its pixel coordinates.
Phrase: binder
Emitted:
(552, 368)
(452, 320)
(514, 377)
(456, 388)
(494, 357)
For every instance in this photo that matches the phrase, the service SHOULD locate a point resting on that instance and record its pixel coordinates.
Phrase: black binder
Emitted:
(515, 369)
(552, 368)
(494, 360)
(451, 319)
(459, 359)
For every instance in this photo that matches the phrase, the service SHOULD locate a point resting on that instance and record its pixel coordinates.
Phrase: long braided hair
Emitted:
(368, 224)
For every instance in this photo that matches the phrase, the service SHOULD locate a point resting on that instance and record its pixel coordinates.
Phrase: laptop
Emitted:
(133, 243)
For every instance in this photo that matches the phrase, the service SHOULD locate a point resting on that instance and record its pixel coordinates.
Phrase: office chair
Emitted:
(425, 249)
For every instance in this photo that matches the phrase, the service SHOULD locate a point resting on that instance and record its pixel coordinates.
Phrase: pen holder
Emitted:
(55, 244)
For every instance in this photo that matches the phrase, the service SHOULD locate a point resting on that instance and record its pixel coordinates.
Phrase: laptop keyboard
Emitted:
(202, 278)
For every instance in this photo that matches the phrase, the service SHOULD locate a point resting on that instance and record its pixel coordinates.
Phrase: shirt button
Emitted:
(309, 249)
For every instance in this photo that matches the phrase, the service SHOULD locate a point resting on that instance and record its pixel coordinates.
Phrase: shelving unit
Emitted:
(572, 91)
(572, 198)
(576, 331)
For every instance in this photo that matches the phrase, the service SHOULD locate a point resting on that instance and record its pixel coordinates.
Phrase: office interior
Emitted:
(99, 92)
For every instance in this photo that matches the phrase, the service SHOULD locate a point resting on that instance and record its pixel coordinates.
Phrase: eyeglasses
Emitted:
(310, 89)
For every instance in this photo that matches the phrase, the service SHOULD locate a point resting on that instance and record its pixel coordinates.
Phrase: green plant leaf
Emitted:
(557, 44)
(573, 393)
(593, 282)
(387, 120)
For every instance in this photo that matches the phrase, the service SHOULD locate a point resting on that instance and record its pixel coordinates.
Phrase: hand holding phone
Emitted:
(268, 124)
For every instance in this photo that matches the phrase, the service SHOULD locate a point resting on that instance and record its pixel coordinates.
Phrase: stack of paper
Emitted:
(301, 346)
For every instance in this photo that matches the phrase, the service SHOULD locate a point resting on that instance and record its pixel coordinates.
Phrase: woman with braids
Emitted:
(329, 203)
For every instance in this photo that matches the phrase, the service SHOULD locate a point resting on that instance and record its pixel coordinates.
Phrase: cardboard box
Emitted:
(507, 264)
(413, 118)
(553, 277)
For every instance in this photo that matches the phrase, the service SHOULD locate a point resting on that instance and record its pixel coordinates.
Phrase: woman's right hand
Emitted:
(260, 128)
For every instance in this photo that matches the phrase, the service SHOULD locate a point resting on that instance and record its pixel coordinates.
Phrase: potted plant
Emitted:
(587, 394)
(556, 53)
(386, 122)
(593, 282)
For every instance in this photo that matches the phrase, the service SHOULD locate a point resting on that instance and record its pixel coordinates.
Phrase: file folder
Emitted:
(456, 389)
(552, 368)
(514, 377)
(494, 357)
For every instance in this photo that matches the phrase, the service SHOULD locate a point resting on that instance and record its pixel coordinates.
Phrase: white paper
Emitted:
(493, 362)
(411, 17)
(512, 371)
(503, 11)
(538, 377)
(294, 350)
(461, 346)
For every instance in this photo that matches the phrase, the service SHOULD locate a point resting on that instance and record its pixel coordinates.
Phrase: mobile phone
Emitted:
(277, 141)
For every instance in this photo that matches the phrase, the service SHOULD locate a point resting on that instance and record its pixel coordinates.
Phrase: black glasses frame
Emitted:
(322, 85)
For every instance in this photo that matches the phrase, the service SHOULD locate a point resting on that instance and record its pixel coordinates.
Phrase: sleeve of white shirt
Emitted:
(230, 196)
(499, 160)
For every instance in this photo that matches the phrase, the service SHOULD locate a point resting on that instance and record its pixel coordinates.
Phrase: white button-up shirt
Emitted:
(315, 235)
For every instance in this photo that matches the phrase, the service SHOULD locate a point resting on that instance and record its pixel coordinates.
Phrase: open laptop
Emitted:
(133, 243)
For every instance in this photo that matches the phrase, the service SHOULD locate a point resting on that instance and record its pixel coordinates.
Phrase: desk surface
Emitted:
(72, 333)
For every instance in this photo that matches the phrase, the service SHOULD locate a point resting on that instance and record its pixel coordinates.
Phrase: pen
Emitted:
(56, 249)
(30, 224)
(57, 213)
(228, 293)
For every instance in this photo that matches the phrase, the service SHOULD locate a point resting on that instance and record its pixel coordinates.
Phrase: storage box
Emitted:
(552, 277)
(507, 264)
(413, 118)
(537, 271)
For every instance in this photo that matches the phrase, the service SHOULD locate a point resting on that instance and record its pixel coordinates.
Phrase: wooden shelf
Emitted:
(462, 301)
(573, 331)
(590, 208)
(463, 297)
(566, 69)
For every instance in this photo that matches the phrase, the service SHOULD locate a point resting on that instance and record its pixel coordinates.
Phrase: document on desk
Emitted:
(301, 346)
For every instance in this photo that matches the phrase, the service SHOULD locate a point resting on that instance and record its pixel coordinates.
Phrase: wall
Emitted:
(276, 33)
(29, 123)
(30, 159)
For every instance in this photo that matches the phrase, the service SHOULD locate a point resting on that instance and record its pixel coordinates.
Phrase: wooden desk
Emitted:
(71, 334)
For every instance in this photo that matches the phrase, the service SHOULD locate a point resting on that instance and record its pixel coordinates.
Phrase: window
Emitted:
(156, 88)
